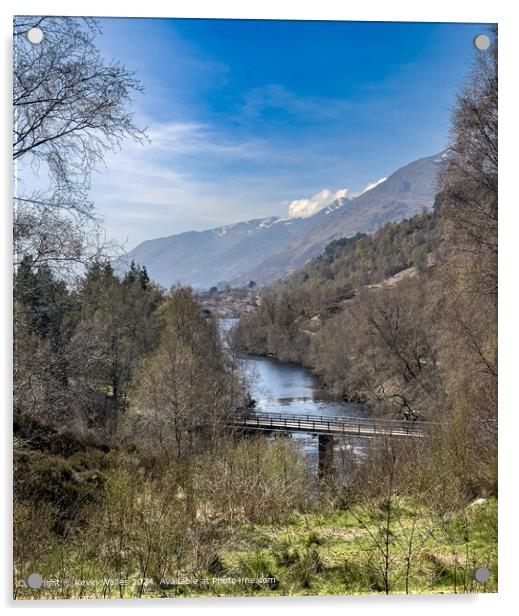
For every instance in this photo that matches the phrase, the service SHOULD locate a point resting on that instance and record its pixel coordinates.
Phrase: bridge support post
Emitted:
(325, 455)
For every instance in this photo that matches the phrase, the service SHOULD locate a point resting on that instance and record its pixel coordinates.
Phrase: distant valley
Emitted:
(266, 249)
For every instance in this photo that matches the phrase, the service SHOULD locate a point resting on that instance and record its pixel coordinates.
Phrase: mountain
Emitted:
(403, 194)
(205, 258)
(268, 248)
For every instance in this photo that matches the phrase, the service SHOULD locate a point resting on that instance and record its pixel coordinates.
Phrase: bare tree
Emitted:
(470, 179)
(469, 205)
(70, 108)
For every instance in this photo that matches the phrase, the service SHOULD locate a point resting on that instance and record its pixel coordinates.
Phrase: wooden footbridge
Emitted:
(363, 427)
(327, 428)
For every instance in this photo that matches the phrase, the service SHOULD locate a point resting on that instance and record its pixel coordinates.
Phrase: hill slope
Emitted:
(405, 193)
(267, 249)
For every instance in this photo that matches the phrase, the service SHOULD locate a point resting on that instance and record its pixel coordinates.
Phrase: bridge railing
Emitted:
(336, 424)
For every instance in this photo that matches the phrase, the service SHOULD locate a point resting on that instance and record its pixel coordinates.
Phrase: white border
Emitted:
(478, 11)
(397, 10)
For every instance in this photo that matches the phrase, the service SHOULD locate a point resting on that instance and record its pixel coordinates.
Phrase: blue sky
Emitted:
(246, 116)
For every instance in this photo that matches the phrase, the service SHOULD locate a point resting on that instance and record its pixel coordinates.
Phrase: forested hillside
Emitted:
(290, 321)
(350, 263)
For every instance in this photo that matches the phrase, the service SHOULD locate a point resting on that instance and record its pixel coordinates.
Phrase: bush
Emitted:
(52, 479)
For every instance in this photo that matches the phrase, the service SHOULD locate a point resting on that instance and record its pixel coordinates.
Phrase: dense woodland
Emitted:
(367, 259)
(123, 472)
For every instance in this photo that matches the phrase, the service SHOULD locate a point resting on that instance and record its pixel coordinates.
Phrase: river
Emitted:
(286, 388)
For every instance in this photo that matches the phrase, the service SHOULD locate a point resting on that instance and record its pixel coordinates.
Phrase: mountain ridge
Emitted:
(265, 249)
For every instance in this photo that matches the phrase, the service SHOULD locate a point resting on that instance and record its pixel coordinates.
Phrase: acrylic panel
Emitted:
(255, 308)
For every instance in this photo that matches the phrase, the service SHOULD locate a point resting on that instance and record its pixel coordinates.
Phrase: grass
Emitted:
(125, 526)
(336, 554)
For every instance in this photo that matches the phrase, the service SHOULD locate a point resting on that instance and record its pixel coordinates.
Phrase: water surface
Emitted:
(291, 389)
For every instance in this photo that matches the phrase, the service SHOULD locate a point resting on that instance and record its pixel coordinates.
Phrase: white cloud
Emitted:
(180, 181)
(303, 208)
(195, 139)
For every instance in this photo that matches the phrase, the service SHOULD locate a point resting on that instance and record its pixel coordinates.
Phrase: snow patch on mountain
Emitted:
(370, 186)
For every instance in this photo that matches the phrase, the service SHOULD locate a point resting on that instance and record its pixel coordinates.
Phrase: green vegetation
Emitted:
(144, 517)
(334, 554)
(248, 521)
(364, 259)
(76, 349)
(193, 532)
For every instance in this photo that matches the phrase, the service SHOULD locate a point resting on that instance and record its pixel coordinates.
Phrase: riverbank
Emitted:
(287, 389)
(296, 354)
(281, 379)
